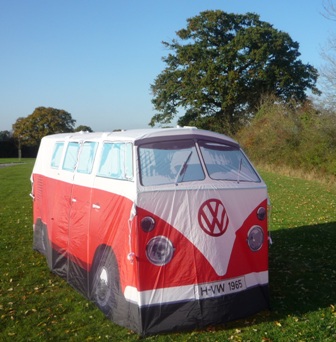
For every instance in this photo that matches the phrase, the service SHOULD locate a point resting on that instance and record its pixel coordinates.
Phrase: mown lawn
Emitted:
(36, 305)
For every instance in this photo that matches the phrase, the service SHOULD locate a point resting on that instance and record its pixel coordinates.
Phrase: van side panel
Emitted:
(76, 229)
(55, 213)
(110, 225)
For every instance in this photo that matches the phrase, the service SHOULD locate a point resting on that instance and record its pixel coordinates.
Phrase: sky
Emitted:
(97, 59)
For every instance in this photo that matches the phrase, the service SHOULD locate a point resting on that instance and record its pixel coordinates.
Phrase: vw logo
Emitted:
(212, 217)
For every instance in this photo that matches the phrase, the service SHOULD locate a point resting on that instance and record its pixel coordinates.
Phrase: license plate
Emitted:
(220, 288)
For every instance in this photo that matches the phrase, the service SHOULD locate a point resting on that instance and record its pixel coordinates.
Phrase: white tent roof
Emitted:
(140, 134)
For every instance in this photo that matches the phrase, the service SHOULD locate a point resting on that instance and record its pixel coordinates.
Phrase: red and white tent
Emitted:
(164, 229)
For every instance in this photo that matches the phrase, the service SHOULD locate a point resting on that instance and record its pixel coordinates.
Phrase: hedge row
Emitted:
(298, 136)
(8, 149)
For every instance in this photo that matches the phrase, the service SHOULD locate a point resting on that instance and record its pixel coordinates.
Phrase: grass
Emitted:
(36, 305)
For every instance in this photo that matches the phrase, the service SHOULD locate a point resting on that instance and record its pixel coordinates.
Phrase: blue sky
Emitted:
(97, 59)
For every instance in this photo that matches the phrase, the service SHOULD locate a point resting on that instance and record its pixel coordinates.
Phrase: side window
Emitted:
(71, 155)
(57, 154)
(116, 161)
(128, 161)
(86, 157)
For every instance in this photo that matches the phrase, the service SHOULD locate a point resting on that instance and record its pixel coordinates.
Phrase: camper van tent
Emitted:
(163, 229)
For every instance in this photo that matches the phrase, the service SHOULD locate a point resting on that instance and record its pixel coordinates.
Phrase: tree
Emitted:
(328, 77)
(328, 69)
(83, 128)
(5, 135)
(329, 9)
(220, 66)
(43, 121)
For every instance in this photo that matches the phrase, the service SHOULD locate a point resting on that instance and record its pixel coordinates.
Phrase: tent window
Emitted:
(57, 154)
(86, 157)
(71, 155)
(117, 161)
(169, 162)
(225, 162)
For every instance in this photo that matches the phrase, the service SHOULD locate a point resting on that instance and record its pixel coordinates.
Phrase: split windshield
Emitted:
(174, 162)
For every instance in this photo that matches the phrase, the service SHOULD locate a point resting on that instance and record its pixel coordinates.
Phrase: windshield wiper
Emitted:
(239, 169)
(183, 169)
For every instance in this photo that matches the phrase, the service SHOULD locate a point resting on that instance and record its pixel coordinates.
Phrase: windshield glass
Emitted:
(224, 162)
(169, 162)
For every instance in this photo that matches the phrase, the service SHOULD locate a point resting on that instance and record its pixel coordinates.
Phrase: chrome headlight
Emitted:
(255, 238)
(159, 250)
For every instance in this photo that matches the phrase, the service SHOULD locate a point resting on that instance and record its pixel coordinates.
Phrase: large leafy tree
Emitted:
(43, 121)
(219, 67)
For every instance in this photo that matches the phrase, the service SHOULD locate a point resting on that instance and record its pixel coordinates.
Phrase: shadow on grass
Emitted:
(302, 272)
(302, 269)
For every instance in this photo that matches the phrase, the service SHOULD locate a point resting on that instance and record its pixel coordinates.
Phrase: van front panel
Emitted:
(209, 231)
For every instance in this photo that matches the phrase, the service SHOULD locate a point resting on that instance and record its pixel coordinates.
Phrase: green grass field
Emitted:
(36, 305)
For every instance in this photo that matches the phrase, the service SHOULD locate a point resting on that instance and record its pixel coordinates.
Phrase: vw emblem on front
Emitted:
(212, 217)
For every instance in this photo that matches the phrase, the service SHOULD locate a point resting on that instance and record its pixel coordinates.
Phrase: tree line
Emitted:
(27, 132)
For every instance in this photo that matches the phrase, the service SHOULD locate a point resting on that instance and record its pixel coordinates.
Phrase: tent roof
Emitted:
(140, 135)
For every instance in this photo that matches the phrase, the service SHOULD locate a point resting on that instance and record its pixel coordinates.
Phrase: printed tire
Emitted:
(40, 239)
(104, 282)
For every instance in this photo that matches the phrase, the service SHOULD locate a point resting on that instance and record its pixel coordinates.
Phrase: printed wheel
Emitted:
(105, 287)
(40, 241)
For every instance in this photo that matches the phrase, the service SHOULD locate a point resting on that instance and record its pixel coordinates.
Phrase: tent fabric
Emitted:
(164, 230)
